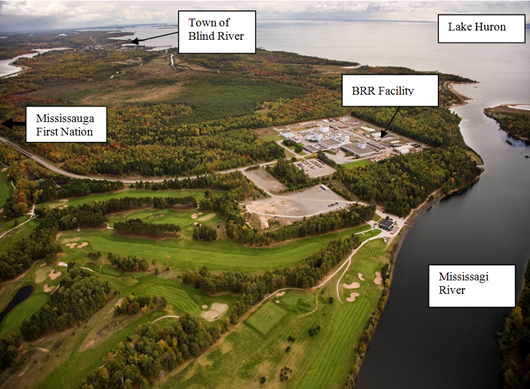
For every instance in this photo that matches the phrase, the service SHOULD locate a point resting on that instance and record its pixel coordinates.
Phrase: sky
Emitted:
(16, 15)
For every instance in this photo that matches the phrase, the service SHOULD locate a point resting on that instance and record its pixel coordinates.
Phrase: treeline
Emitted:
(204, 233)
(404, 182)
(41, 242)
(138, 228)
(515, 342)
(253, 287)
(434, 126)
(515, 124)
(132, 304)
(38, 245)
(290, 175)
(80, 295)
(327, 160)
(8, 349)
(93, 214)
(139, 360)
(128, 264)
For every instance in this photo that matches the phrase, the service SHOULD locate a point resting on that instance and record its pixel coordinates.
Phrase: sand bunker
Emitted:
(64, 206)
(378, 280)
(360, 275)
(48, 289)
(43, 264)
(352, 297)
(277, 301)
(353, 285)
(215, 311)
(4, 169)
(54, 275)
(64, 200)
(205, 218)
(194, 216)
(204, 306)
(63, 264)
(280, 294)
(82, 245)
(71, 245)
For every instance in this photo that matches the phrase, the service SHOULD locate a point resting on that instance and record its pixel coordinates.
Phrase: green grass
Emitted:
(19, 233)
(267, 317)
(320, 361)
(70, 373)
(21, 312)
(5, 188)
(189, 254)
(272, 138)
(112, 272)
(362, 162)
(175, 296)
(197, 193)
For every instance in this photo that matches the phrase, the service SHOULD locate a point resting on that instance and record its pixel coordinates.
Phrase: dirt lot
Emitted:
(312, 201)
(314, 168)
(264, 180)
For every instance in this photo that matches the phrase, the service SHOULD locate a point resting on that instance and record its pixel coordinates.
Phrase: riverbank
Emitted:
(515, 122)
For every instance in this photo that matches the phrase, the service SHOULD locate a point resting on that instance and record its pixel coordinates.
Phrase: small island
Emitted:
(512, 118)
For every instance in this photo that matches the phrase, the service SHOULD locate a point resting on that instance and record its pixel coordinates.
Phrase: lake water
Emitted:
(7, 69)
(416, 346)
(21, 295)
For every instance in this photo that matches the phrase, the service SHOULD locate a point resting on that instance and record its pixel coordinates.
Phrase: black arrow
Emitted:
(383, 133)
(137, 41)
(10, 123)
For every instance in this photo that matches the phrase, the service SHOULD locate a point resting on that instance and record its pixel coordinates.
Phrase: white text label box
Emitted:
(471, 286)
(229, 32)
(390, 90)
(66, 124)
(482, 28)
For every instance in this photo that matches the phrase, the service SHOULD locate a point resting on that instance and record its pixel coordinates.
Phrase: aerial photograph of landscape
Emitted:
(264, 194)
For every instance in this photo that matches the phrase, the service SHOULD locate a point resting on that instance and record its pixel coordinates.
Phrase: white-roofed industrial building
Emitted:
(359, 149)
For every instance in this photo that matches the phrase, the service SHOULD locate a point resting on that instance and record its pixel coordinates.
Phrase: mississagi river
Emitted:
(415, 346)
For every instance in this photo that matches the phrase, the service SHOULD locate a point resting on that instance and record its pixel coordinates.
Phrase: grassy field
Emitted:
(197, 193)
(320, 361)
(272, 138)
(266, 318)
(189, 254)
(21, 312)
(362, 162)
(19, 233)
(5, 188)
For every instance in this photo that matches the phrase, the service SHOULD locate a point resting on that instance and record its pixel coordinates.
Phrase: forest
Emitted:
(404, 182)
(253, 287)
(515, 341)
(136, 227)
(79, 285)
(128, 264)
(138, 360)
(287, 173)
(514, 122)
(132, 304)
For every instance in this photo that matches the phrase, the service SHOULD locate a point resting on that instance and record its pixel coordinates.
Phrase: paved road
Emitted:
(125, 180)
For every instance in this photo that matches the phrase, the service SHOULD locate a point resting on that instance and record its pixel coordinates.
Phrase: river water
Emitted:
(6, 67)
(415, 346)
